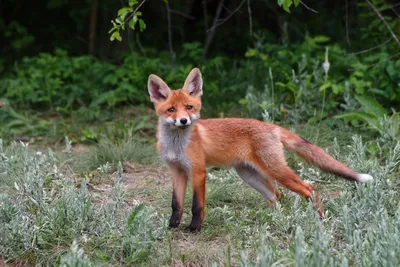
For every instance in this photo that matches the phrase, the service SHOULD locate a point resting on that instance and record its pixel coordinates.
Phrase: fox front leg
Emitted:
(178, 195)
(199, 194)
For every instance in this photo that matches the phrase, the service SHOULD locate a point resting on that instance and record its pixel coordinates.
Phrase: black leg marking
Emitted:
(175, 219)
(197, 210)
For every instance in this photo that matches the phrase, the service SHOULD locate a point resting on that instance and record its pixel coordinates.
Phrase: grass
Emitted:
(109, 205)
(108, 151)
(82, 126)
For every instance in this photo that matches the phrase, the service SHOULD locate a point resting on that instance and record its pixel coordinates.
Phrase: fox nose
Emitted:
(183, 121)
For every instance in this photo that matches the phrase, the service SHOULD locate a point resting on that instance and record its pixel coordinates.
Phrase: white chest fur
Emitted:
(173, 144)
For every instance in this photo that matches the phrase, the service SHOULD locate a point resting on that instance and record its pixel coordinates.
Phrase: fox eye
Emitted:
(171, 110)
(189, 107)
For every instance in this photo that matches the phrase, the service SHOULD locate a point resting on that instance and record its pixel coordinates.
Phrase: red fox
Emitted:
(254, 148)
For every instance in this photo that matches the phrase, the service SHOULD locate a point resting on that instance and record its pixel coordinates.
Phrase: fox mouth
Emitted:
(182, 126)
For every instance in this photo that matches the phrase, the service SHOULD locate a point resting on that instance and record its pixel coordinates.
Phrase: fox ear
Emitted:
(158, 89)
(194, 83)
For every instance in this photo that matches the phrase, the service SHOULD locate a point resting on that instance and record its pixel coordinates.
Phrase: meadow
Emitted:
(108, 204)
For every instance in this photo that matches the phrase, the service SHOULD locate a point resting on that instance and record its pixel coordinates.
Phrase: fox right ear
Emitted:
(194, 83)
(158, 89)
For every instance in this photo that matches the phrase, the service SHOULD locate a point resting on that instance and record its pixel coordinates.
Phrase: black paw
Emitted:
(194, 227)
(174, 221)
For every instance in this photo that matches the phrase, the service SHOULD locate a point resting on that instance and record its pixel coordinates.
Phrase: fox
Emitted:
(255, 149)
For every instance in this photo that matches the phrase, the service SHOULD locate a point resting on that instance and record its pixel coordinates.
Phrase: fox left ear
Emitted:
(158, 89)
(194, 83)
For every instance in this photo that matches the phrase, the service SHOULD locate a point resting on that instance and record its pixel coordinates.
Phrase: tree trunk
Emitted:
(93, 24)
(211, 33)
(398, 26)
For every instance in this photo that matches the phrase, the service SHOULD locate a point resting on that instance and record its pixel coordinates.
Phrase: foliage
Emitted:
(287, 3)
(287, 84)
(128, 15)
(43, 26)
(56, 80)
(76, 257)
(371, 112)
(19, 124)
(43, 211)
(67, 82)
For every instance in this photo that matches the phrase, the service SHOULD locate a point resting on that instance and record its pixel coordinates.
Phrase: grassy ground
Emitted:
(108, 204)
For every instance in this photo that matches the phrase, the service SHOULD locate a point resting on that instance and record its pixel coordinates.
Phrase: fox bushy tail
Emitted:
(315, 155)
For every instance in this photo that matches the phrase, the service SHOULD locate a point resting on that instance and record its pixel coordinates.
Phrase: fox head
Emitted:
(177, 108)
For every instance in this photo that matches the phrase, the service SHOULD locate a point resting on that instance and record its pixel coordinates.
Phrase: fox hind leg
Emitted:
(272, 163)
(287, 178)
(256, 180)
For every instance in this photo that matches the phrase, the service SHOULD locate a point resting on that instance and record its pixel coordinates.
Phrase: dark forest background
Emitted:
(31, 27)
(258, 60)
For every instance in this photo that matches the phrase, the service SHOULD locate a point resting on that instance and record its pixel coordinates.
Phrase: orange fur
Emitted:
(253, 147)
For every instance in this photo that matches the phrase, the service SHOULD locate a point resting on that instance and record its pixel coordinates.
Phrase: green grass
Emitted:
(87, 209)
(108, 151)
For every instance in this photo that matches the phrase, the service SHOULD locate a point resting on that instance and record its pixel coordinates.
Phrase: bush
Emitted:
(285, 80)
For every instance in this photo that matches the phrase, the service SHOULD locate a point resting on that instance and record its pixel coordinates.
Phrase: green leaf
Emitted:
(280, 84)
(122, 10)
(138, 210)
(132, 23)
(116, 35)
(321, 39)
(113, 29)
(286, 5)
(119, 21)
(338, 88)
(243, 101)
(325, 86)
(250, 53)
(370, 105)
(132, 3)
(394, 129)
(142, 25)
(263, 56)
(372, 120)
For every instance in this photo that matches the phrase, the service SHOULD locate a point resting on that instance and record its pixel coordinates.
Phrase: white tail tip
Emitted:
(365, 178)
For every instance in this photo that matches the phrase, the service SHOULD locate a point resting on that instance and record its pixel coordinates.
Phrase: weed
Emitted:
(40, 221)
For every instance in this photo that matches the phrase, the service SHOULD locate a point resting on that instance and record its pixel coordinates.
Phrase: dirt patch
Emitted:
(138, 178)
(192, 250)
(80, 148)
(138, 181)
